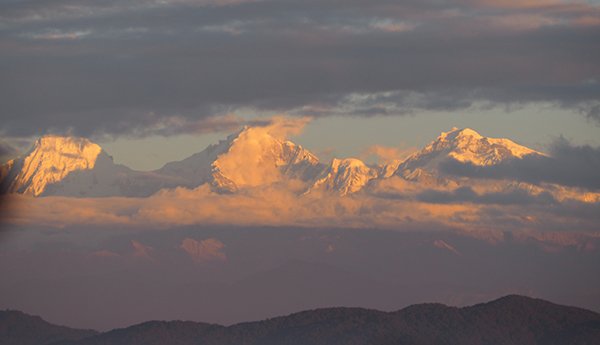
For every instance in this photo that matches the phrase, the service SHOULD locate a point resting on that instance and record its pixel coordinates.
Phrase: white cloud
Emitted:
(59, 35)
(389, 25)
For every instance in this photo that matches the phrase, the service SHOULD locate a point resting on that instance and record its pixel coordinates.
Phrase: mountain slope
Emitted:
(345, 176)
(248, 158)
(254, 157)
(77, 167)
(508, 320)
(466, 146)
(17, 328)
(50, 160)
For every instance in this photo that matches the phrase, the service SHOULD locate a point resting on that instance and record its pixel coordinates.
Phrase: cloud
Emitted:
(91, 68)
(567, 165)
(520, 22)
(242, 162)
(399, 206)
(105, 254)
(467, 194)
(279, 126)
(174, 125)
(519, 4)
(387, 154)
(441, 244)
(588, 21)
(388, 25)
(272, 205)
(283, 127)
(141, 251)
(204, 251)
(59, 35)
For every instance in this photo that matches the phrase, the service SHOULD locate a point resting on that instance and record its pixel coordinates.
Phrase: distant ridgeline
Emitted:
(252, 157)
(508, 320)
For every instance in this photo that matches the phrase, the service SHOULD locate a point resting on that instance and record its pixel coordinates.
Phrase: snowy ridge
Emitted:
(50, 160)
(345, 176)
(252, 157)
(248, 158)
(77, 167)
(388, 169)
(466, 146)
(197, 169)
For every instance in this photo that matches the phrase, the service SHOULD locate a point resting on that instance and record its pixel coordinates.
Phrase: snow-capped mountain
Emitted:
(345, 176)
(78, 167)
(73, 166)
(389, 168)
(254, 157)
(465, 146)
(249, 158)
(50, 160)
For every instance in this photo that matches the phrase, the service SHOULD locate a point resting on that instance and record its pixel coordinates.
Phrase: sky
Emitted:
(176, 75)
(535, 126)
(234, 235)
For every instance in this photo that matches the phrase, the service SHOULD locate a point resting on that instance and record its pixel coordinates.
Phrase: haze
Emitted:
(225, 161)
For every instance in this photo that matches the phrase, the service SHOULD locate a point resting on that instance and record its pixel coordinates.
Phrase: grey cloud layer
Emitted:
(101, 67)
(568, 165)
(467, 194)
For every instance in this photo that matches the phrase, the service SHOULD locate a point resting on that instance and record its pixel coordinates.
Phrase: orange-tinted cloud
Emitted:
(141, 251)
(519, 4)
(519, 22)
(588, 20)
(394, 203)
(282, 127)
(105, 254)
(206, 250)
(387, 154)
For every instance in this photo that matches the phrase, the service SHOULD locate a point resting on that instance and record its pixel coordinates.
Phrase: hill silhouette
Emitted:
(509, 320)
(17, 328)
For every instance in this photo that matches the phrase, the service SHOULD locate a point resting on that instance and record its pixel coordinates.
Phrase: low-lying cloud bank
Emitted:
(462, 209)
(567, 165)
(538, 192)
(467, 194)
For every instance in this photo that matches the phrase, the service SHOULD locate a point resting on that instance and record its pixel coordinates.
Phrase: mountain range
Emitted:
(509, 320)
(252, 157)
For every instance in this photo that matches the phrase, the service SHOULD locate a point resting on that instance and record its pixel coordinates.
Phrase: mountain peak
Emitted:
(250, 157)
(50, 160)
(457, 133)
(347, 163)
(466, 146)
(255, 157)
(345, 176)
(53, 140)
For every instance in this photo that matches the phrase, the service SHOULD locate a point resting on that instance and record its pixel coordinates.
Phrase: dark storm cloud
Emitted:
(575, 166)
(565, 216)
(118, 67)
(466, 194)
